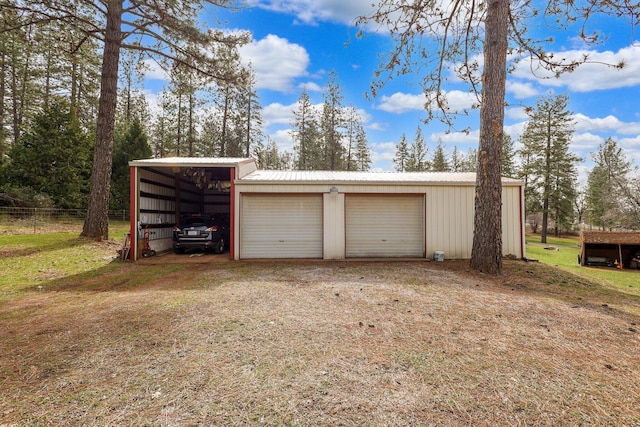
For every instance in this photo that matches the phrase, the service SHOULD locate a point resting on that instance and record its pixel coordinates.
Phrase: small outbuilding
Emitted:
(319, 214)
(604, 248)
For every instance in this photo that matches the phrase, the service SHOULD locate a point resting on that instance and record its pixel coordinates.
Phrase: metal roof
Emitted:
(610, 237)
(320, 177)
(192, 162)
(346, 177)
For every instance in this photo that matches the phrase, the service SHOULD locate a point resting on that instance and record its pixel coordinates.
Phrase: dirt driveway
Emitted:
(308, 343)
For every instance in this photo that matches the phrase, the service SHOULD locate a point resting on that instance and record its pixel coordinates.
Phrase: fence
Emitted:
(36, 215)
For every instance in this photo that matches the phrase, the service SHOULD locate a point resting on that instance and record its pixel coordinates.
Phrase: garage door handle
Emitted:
(281, 241)
(384, 240)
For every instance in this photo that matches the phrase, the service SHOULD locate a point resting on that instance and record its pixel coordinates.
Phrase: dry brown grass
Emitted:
(320, 343)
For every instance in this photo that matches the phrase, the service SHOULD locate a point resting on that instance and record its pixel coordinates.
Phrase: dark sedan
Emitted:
(203, 232)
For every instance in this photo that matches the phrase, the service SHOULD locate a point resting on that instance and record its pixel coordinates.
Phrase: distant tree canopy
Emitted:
(330, 136)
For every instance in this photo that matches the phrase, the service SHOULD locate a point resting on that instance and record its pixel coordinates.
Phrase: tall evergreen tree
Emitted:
(508, 157)
(402, 155)
(306, 134)
(54, 156)
(546, 138)
(457, 160)
(362, 151)
(608, 186)
(439, 162)
(417, 161)
(331, 126)
(130, 145)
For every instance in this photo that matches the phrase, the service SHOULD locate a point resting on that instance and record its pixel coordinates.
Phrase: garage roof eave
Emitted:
(270, 177)
(182, 162)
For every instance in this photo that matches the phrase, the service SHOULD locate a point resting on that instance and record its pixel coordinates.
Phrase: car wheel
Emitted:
(179, 250)
(219, 246)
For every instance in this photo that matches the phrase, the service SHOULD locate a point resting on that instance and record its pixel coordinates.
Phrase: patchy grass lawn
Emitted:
(192, 341)
(563, 253)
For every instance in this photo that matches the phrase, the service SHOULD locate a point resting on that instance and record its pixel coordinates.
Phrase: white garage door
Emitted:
(384, 225)
(281, 226)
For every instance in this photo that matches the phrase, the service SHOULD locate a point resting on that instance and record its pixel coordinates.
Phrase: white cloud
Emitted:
(153, 71)
(517, 113)
(313, 11)
(383, 153)
(590, 76)
(606, 124)
(586, 141)
(521, 90)
(402, 102)
(283, 139)
(311, 87)
(456, 138)
(277, 113)
(276, 62)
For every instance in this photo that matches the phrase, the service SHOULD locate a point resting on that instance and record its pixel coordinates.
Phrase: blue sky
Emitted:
(296, 43)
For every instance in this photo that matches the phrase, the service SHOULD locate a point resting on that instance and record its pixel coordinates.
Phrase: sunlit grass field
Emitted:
(33, 257)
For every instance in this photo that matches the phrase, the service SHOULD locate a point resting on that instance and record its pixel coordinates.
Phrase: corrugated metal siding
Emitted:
(281, 226)
(384, 225)
(511, 222)
(449, 221)
(161, 185)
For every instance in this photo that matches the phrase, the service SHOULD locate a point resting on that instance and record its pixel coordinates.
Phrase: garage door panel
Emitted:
(281, 226)
(384, 225)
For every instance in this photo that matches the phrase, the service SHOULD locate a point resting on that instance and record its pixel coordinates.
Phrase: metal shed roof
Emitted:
(346, 177)
(610, 237)
(192, 162)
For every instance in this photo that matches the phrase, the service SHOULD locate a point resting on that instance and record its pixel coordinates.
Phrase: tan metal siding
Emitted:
(511, 222)
(281, 226)
(449, 221)
(384, 225)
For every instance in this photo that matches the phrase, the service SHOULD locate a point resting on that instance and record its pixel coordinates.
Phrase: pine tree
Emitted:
(417, 161)
(508, 157)
(332, 123)
(439, 162)
(362, 151)
(131, 145)
(53, 156)
(402, 155)
(306, 135)
(552, 166)
(608, 186)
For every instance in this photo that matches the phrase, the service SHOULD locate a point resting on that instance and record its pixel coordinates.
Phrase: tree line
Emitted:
(49, 97)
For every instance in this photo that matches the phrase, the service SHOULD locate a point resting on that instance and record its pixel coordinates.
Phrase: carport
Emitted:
(602, 248)
(164, 189)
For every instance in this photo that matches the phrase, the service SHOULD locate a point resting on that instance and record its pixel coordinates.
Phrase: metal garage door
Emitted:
(384, 225)
(281, 226)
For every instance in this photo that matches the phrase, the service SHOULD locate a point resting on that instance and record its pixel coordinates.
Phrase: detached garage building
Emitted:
(320, 214)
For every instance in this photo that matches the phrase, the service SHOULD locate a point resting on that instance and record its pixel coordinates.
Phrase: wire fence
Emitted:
(35, 215)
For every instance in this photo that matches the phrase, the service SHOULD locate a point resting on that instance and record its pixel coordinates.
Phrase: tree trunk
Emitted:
(96, 224)
(486, 254)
